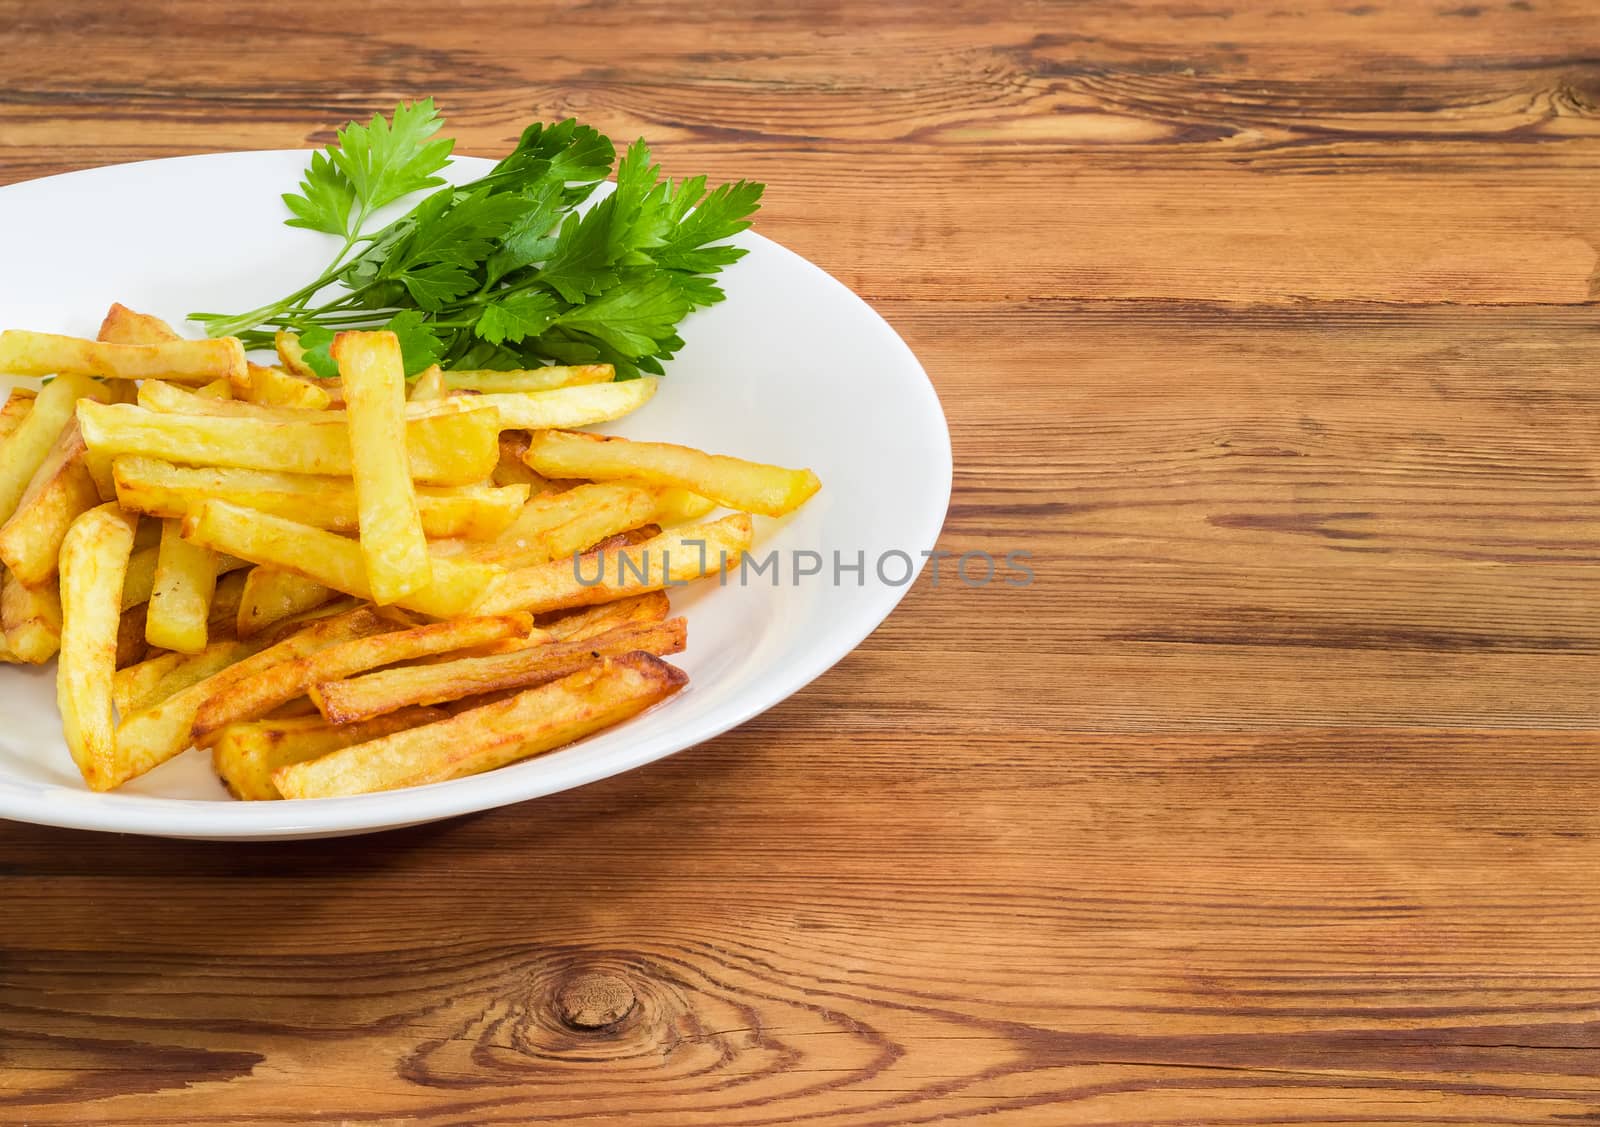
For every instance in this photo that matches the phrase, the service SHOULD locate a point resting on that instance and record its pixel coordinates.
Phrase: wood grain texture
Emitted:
(1267, 330)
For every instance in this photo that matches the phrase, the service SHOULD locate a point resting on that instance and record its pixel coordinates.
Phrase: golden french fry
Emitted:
(94, 557)
(359, 698)
(24, 353)
(558, 524)
(156, 488)
(528, 379)
(675, 505)
(490, 736)
(180, 601)
(427, 386)
(60, 491)
(140, 583)
(283, 683)
(273, 387)
(392, 542)
(689, 552)
(132, 685)
(123, 326)
(19, 402)
(580, 405)
(152, 735)
(157, 678)
(327, 558)
(291, 355)
(573, 626)
(216, 389)
(31, 619)
(456, 448)
(750, 486)
(30, 443)
(510, 469)
(246, 755)
(271, 596)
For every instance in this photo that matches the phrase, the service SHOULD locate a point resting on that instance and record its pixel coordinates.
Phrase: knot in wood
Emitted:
(594, 1000)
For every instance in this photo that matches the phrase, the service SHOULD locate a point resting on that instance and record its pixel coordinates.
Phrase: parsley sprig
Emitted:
(504, 272)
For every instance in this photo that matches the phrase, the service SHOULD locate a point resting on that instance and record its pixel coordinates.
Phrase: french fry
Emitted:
(131, 646)
(429, 385)
(459, 448)
(558, 524)
(18, 403)
(140, 583)
(123, 326)
(156, 678)
(246, 755)
(579, 405)
(493, 735)
(24, 353)
(152, 735)
(30, 444)
(180, 602)
(157, 488)
(750, 486)
(392, 542)
(511, 470)
(282, 683)
(60, 491)
(94, 557)
(676, 505)
(31, 619)
(327, 558)
(170, 399)
(225, 602)
(271, 596)
(132, 685)
(573, 626)
(360, 698)
(689, 552)
(292, 356)
(273, 387)
(216, 389)
(528, 379)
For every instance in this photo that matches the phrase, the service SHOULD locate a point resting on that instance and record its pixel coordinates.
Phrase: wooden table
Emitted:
(1264, 327)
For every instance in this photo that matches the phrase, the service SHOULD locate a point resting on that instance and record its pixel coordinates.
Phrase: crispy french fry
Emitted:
(182, 361)
(156, 678)
(580, 405)
(31, 619)
(216, 389)
(132, 685)
(675, 505)
(327, 558)
(751, 486)
(575, 625)
(511, 470)
(180, 601)
(689, 552)
(283, 683)
(123, 326)
(558, 524)
(528, 379)
(246, 755)
(131, 646)
(271, 596)
(427, 386)
(158, 488)
(359, 698)
(140, 583)
(291, 355)
(60, 491)
(392, 542)
(457, 448)
(273, 387)
(94, 557)
(152, 735)
(491, 736)
(19, 402)
(26, 449)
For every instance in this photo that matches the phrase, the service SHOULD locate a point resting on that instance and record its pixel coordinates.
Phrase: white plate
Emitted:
(793, 368)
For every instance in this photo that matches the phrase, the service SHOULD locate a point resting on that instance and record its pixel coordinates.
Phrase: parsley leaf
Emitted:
(510, 270)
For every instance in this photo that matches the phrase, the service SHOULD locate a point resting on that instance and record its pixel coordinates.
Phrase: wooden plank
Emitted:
(1311, 924)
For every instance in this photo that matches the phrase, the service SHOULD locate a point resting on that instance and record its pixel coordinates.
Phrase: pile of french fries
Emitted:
(339, 586)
